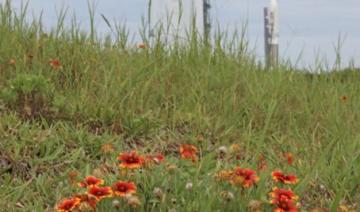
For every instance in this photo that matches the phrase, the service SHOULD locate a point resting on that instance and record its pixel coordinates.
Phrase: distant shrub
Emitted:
(31, 96)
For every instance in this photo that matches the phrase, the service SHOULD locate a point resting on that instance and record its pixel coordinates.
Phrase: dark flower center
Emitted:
(132, 160)
(122, 188)
(68, 206)
(99, 193)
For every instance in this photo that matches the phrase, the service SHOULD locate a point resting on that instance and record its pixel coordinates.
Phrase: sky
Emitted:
(309, 29)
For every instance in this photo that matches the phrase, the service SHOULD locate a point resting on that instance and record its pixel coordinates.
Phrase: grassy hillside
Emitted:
(70, 103)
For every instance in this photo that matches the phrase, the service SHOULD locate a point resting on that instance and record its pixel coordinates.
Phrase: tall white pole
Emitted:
(275, 22)
(271, 24)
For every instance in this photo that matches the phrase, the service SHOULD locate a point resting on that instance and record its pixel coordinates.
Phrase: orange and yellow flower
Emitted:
(122, 188)
(244, 177)
(100, 192)
(188, 151)
(284, 200)
(279, 193)
(87, 199)
(68, 204)
(131, 160)
(286, 206)
(278, 176)
(91, 181)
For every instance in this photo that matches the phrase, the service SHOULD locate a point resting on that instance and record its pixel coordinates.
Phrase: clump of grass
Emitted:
(31, 96)
(118, 97)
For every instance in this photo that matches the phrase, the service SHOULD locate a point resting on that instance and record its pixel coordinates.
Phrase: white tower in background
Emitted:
(275, 22)
(271, 24)
(177, 15)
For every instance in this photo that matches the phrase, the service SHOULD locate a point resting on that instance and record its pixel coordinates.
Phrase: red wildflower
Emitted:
(188, 151)
(91, 181)
(244, 177)
(284, 200)
(68, 205)
(278, 176)
(90, 200)
(55, 64)
(289, 157)
(279, 193)
(286, 206)
(100, 192)
(121, 188)
(131, 160)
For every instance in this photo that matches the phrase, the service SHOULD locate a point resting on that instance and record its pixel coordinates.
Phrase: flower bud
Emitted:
(133, 201)
(116, 204)
(222, 150)
(158, 193)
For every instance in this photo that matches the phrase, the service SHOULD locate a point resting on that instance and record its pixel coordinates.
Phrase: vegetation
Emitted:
(71, 102)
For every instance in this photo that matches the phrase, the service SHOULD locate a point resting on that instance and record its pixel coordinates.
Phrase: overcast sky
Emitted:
(309, 26)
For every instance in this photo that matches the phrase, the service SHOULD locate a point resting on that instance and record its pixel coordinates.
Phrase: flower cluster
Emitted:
(96, 190)
(283, 199)
(125, 190)
(95, 193)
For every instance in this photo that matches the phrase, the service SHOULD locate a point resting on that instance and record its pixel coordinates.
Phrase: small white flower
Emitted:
(189, 186)
(222, 150)
(116, 203)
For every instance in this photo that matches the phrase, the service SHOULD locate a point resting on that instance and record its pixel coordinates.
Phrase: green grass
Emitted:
(56, 121)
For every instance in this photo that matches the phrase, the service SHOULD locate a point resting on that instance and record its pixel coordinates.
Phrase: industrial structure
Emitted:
(271, 34)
